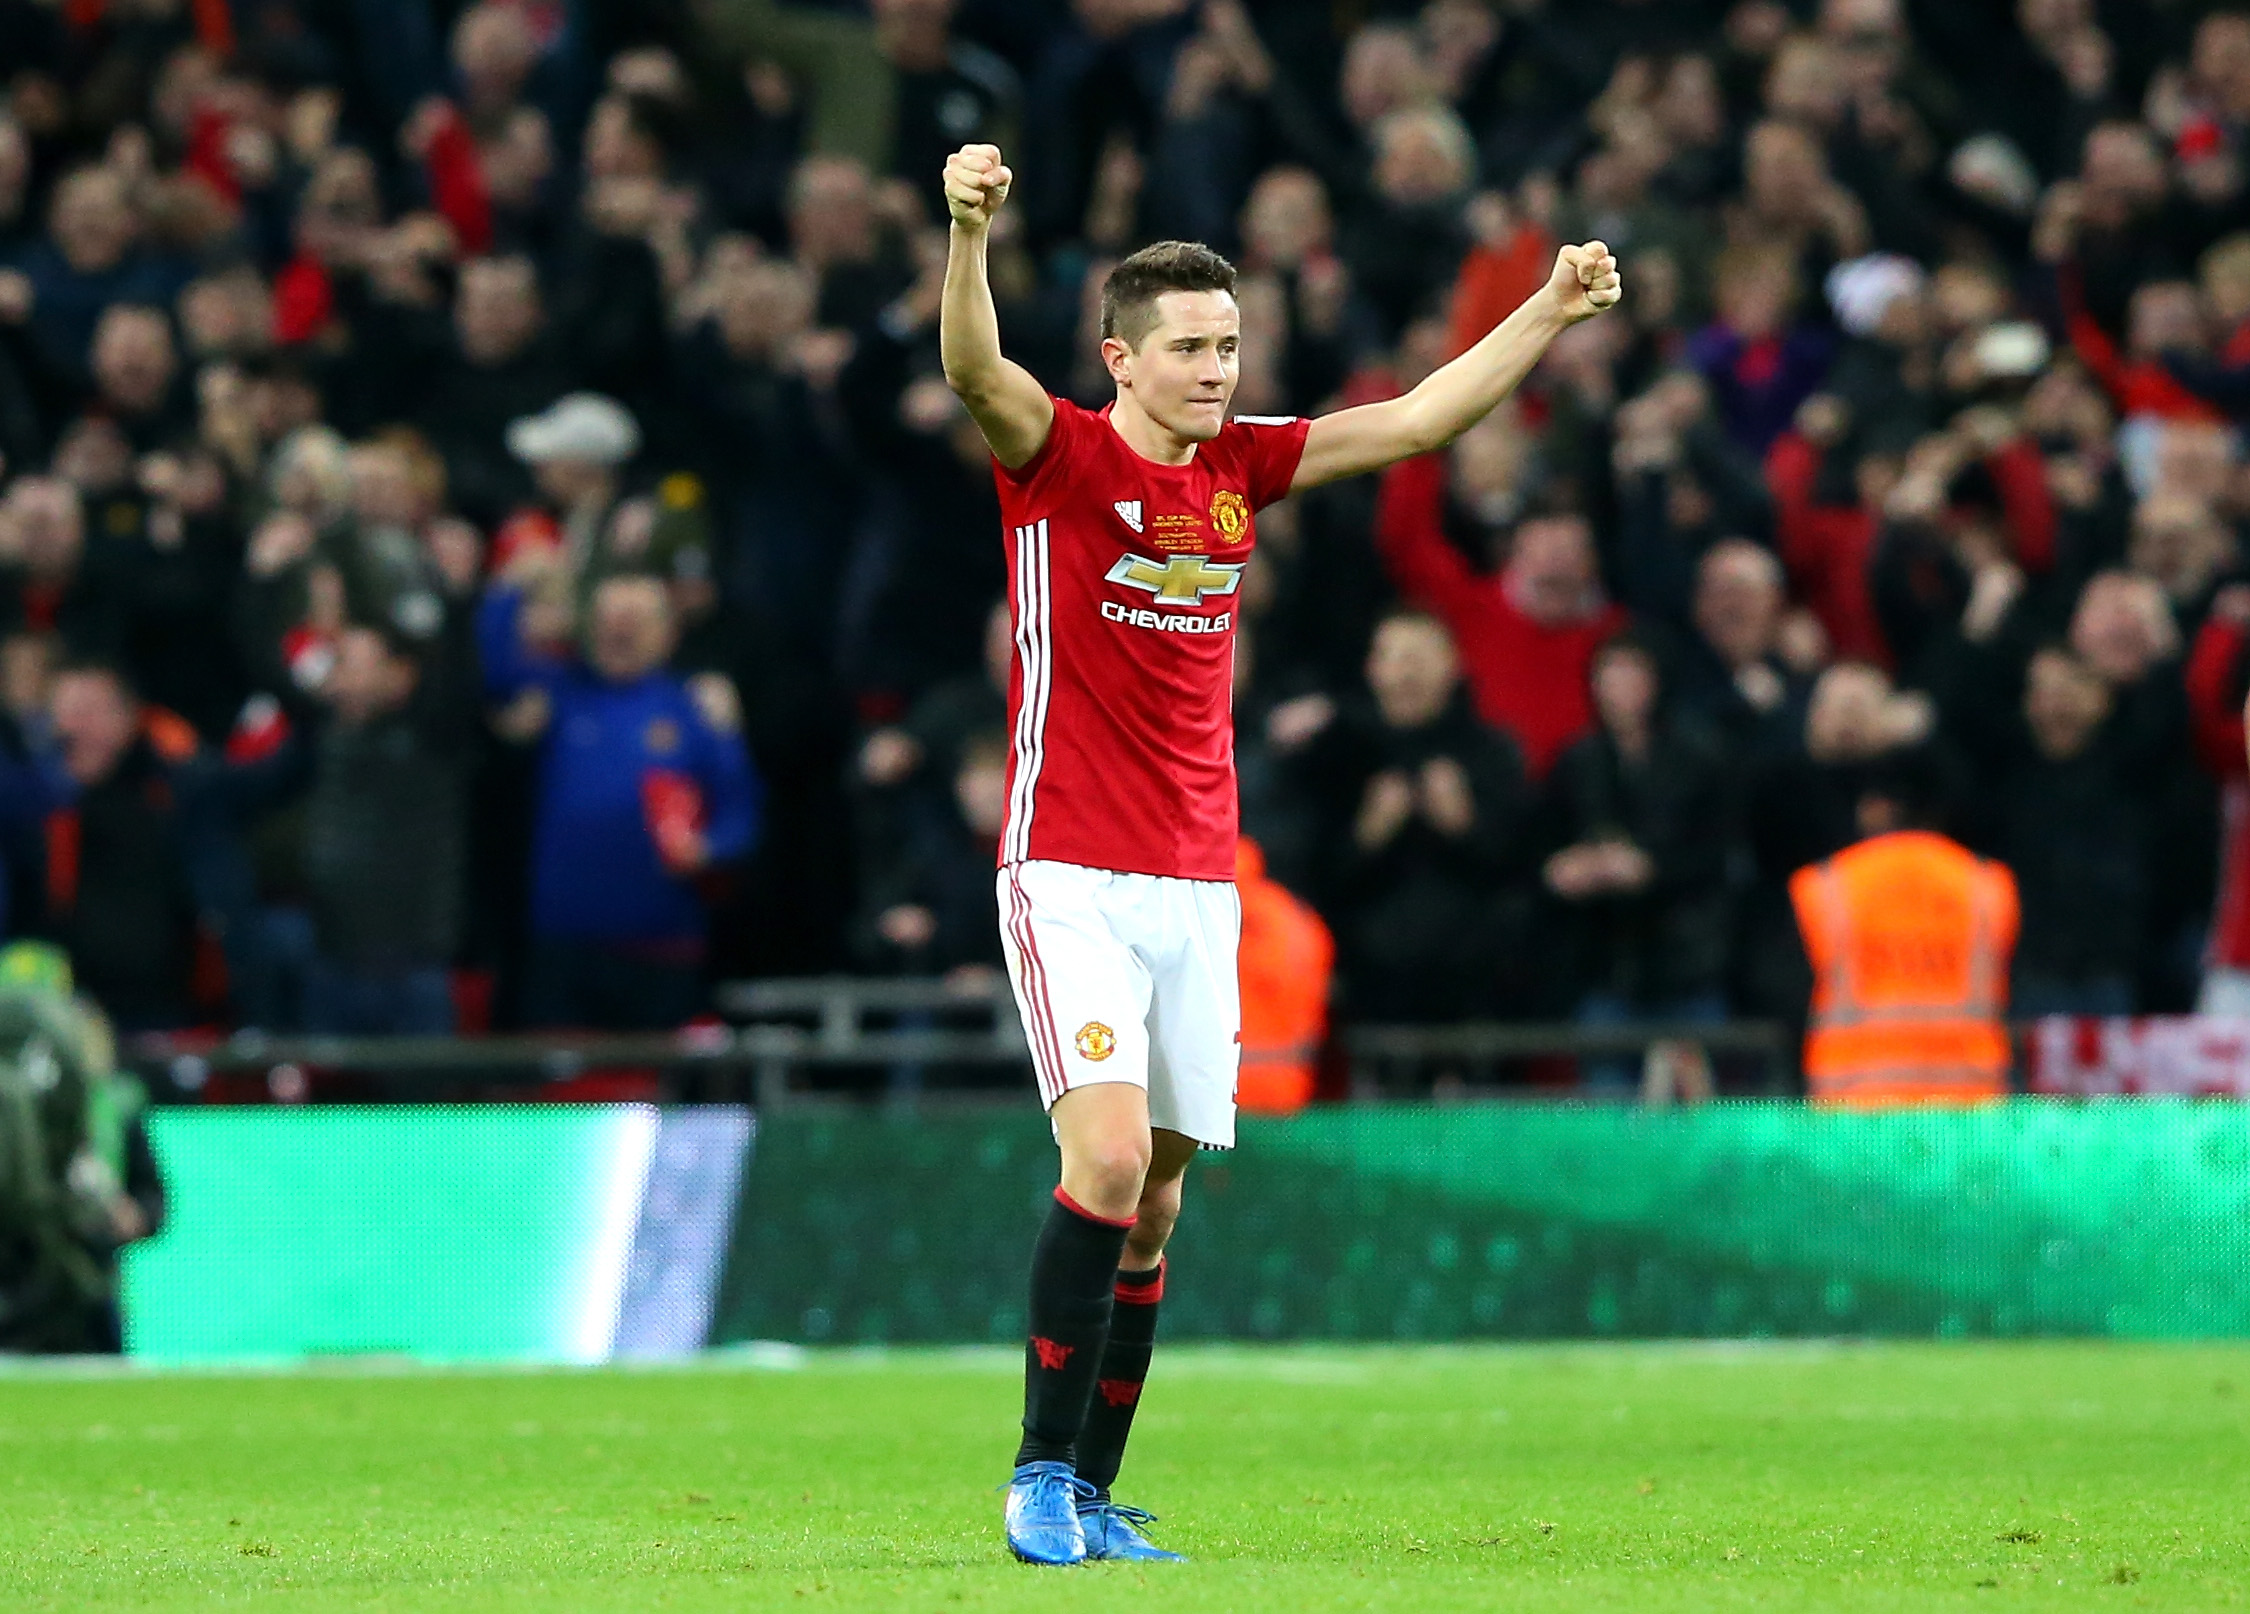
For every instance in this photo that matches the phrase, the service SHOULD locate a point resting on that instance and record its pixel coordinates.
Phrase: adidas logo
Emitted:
(1129, 511)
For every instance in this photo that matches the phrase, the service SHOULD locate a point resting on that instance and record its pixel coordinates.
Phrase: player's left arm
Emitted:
(1455, 396)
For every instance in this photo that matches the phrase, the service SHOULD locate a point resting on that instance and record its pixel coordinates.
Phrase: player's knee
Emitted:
(1116, 1169)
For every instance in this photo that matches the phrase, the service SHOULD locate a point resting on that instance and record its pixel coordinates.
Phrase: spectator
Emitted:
(1527, 636)
(2223, 380)
(90, 259)
(1761, 364)
(499, 369)
(1425, 838)
(1790, 201)
(2181, 544)
(1645, 822)
(758, 384)
(2124, 628)
(385, 832)
(626, 250)
(48, 580)
(1742, 673)
(949, 92)
(1411, 236)
(1909, 937)
(175, 571)
(640, 796)
(936, 732)
(136, 371)
(1288, 232)
(2072, 829)
(933, 905)
(1800, 805)
(577, 450)
(836, 235)
(123, 837)
(1681, 487)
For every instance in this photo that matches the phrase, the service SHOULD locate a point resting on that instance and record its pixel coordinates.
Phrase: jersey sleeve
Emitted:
(1061, 447)
(1272, 446)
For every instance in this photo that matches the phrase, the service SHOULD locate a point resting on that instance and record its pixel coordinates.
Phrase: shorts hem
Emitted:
(1156, 1123)
(1120, 1079)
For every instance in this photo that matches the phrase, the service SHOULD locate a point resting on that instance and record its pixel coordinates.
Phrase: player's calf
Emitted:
(1073, 1268)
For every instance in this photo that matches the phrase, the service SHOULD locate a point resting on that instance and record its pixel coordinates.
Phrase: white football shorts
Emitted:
(1129, 978)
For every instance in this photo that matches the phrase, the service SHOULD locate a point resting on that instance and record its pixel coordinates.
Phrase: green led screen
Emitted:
(2127, 1218)
(491, 1233)
(571, 1234)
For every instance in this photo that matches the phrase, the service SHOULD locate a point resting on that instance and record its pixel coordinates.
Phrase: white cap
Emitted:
(583, 426)
(1862, 290)
(2014, 349)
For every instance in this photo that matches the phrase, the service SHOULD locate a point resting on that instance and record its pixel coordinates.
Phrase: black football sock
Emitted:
(1073, 1268)
(1117, 1389)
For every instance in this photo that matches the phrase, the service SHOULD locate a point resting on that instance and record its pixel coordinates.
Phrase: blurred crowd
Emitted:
(485, 541)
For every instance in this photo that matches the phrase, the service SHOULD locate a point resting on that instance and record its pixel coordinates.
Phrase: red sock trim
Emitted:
(1076, 1209)
(1143, 1294)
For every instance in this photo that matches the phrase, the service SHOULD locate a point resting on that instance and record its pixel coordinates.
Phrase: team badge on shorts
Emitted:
(1230, 514)
(1096, 1042)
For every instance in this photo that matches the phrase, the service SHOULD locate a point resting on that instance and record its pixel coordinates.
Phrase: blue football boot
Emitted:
(1043, 1525)
(1113, 1533)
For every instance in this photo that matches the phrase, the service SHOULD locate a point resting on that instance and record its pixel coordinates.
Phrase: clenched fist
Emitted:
(1585, 281)
(976, 183)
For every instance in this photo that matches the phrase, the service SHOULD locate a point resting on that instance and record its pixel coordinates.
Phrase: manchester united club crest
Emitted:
(1230, 514)
(1096, 1042)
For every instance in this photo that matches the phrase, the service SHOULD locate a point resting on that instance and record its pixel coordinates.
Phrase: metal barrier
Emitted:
(789, 1030)
(1479, 1049)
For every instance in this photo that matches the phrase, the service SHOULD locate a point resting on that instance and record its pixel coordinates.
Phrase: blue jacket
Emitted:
(595, 871)
(67, 305)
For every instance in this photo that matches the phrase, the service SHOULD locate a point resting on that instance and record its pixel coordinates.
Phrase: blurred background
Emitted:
(487, 556)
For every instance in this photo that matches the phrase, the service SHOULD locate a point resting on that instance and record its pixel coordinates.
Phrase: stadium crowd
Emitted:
(484, 538)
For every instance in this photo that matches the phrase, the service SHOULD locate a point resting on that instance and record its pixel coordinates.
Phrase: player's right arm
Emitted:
(1006, 401)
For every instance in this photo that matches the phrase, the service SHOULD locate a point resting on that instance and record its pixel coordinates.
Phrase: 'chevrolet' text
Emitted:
(1166, 621)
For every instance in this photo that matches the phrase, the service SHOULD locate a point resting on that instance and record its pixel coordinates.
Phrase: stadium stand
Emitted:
(329, 334)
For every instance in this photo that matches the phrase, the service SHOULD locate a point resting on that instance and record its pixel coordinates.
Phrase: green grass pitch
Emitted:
(1579, 1478)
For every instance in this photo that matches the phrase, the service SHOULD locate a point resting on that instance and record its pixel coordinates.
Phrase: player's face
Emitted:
(1183, 373)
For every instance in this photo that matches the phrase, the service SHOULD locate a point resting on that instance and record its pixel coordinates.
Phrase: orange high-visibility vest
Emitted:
(1909, 937)
(1284, 964)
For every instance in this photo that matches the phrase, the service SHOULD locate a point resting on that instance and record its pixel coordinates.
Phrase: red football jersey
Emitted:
(1125, 582)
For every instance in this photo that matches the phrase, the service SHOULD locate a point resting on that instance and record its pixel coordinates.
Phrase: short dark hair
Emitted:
(1129, 295)
(1633, 642)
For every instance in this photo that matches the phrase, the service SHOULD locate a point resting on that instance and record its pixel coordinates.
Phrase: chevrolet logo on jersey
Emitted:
(1178, 579)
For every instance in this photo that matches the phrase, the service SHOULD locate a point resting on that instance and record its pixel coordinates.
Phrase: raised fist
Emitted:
(1585, 281)
(976, 183)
